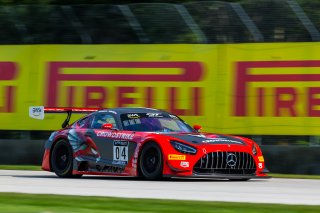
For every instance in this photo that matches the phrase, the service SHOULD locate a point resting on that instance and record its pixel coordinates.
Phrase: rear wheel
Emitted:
(62, 159)
(151, 162)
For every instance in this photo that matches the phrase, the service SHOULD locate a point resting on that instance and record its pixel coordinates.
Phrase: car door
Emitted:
(114, 146)
(102, 138)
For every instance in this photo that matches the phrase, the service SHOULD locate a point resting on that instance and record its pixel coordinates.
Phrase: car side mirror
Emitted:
(197, 127)
(107, 126)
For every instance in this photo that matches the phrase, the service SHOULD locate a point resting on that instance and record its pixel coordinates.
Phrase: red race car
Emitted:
(145, 142)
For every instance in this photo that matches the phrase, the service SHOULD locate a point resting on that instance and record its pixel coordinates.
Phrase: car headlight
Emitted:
(254, 150)
(184, 148)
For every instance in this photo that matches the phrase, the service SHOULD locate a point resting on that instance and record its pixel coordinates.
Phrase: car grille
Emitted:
(236, 163)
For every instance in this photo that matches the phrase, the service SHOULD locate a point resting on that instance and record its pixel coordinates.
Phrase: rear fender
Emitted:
(49, 146)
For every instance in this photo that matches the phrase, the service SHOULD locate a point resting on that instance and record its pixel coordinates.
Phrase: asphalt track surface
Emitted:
(275, 190)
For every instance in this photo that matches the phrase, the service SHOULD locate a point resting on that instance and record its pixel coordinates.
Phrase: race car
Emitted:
(147, 143)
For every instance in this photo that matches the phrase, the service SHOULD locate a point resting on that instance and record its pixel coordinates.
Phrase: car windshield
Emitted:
(153, 122)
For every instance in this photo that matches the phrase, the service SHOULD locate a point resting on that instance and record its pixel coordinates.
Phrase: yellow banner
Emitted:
(271, 89)
(228, 88)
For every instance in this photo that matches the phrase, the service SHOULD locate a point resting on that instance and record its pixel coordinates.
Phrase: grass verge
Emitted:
(298, 176)
(12, 202)
(21, 167)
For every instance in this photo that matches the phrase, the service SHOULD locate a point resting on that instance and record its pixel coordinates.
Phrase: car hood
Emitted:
(205, 138)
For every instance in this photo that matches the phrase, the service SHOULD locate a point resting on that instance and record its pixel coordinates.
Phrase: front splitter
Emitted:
(221, 176)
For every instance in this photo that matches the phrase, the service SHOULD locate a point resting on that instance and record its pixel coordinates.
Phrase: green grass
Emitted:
(298, 176)
(11, 202)
(21, 167)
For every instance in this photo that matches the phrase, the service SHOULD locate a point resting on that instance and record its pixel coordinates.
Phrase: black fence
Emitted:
(204, 22)
(192, 22)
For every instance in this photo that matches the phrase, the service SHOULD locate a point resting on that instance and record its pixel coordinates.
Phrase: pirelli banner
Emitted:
(229, 88)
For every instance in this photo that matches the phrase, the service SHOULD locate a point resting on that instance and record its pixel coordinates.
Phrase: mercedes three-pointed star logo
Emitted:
(231, 159)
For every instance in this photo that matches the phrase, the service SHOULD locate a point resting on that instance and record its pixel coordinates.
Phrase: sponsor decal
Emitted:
(261, 158)
(184, 164)
(154, 115)
(36, 112)
(204, 150)
(176, 157)
(219, 140)
(116, 162)
(133, 116)
(116, 135)
(260, 165)
(173, 116)
(120, 143)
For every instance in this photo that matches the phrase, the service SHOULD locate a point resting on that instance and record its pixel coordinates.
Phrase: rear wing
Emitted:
(38, 112)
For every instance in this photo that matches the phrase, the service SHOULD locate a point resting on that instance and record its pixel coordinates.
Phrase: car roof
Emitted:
(122, 110)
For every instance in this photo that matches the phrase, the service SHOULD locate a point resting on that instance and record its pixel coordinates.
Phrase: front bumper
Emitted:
(215, 165)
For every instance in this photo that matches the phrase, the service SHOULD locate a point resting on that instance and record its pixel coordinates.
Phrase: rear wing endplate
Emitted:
(38, 112)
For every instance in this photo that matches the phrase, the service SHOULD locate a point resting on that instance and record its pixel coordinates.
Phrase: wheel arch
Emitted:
(52, 146)
(152, 140)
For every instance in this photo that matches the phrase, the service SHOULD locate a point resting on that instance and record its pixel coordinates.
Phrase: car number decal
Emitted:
(120, 151)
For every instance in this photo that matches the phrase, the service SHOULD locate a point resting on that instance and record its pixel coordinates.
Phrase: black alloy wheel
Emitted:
(151, 161)
(62, 159)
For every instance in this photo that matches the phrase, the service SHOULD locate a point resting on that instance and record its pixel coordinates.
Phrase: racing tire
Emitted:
(151, 162)
(62, 160)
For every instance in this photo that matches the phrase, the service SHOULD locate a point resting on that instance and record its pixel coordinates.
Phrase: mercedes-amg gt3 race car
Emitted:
(145, 142)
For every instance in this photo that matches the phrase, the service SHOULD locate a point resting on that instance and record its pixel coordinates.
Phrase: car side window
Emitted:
(83, 123)
(102, 118)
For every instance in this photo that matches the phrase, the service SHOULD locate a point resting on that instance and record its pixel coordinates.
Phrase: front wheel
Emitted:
(62, 159)
(151, 161)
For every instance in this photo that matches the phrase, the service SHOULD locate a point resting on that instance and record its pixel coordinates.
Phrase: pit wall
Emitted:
(256, 89)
